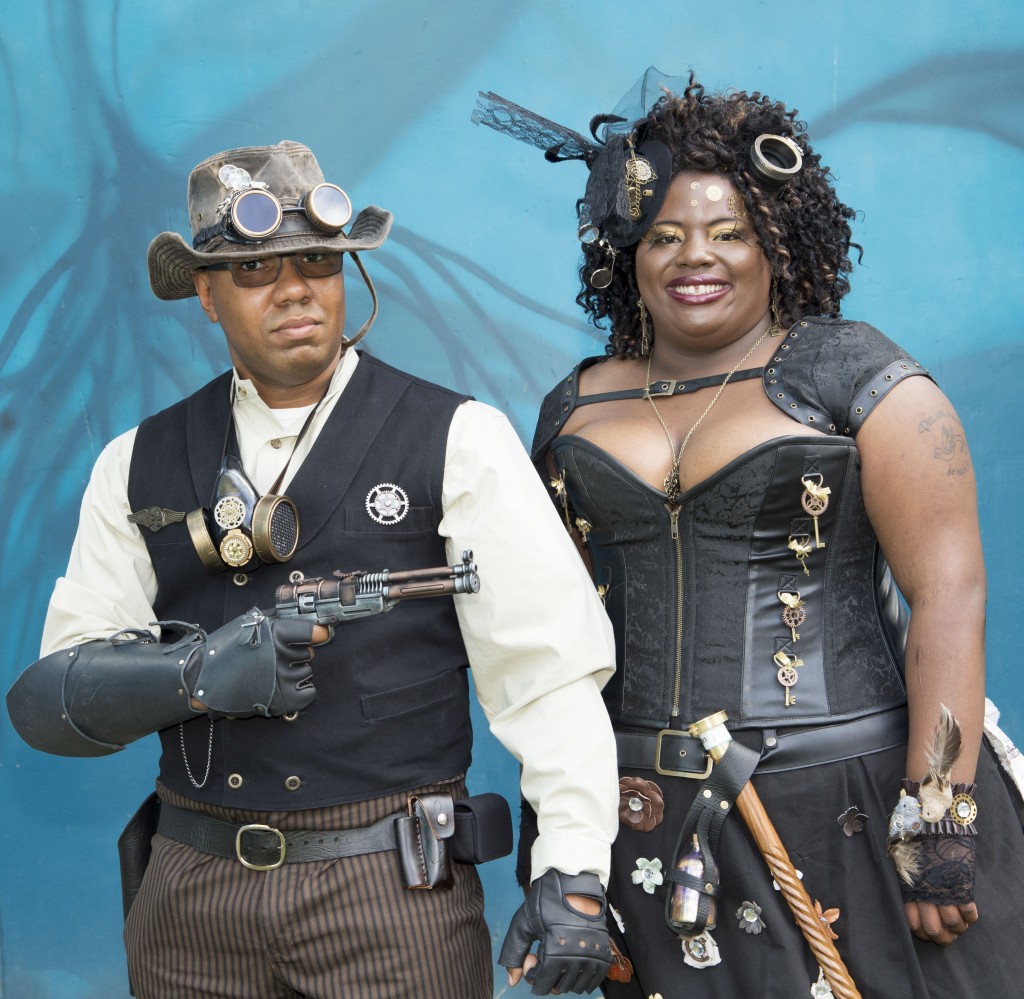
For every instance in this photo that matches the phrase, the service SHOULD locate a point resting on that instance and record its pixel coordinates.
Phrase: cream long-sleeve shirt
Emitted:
(538, 641)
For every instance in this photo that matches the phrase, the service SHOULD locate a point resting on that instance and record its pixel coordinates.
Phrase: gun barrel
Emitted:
(358, 594)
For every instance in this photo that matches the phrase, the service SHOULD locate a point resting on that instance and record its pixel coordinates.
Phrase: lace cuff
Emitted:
(946, 873)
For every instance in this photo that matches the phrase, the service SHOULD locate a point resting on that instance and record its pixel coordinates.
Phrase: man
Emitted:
(275, 870)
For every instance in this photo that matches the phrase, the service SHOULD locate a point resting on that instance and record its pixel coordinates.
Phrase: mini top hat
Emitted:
(288, 171)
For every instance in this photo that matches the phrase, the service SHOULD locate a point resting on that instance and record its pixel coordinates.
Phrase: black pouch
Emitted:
(134, 848)
(483, 829)
(423, 841)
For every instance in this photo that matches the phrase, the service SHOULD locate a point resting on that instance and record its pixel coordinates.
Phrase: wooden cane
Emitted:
(713, 733)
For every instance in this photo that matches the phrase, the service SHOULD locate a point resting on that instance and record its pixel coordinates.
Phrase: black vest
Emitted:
(392, 707)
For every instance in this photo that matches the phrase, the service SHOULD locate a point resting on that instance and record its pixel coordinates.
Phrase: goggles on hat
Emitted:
(252, 212)
(266, 270)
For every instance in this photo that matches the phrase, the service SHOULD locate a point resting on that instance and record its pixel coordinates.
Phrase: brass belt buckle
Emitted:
(665, 388)
(255, 827)
(698, 775)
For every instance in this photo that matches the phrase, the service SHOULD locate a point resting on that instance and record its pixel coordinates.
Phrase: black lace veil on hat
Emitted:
(629, 177)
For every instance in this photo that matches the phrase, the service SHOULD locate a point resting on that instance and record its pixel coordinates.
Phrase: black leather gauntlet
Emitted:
(95, 698)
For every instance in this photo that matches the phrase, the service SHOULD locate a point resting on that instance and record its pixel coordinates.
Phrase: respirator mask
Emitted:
(242, 530)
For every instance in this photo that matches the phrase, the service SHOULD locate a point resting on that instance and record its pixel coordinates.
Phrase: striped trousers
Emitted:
(205, 927)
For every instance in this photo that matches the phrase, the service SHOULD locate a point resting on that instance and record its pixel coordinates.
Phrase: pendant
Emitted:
(672, 485)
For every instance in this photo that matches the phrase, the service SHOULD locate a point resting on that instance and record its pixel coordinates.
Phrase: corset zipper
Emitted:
(673, 513)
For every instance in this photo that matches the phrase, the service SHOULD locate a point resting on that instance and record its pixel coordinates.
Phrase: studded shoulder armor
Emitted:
(558, 404)
(829, 374)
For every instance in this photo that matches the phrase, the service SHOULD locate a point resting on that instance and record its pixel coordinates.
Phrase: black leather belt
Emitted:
(677, 754)
(669, 752)
(264, 848)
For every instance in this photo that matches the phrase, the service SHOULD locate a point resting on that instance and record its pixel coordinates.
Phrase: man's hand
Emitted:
(566, 916)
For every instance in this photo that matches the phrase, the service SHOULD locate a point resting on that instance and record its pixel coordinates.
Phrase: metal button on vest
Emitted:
(239, 579)
(235, 781)
(275, 444)
(292, 783)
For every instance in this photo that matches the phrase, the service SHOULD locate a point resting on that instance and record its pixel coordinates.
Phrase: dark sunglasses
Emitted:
(266, 270)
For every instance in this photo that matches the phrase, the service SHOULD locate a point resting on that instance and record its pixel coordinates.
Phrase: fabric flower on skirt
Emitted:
(821, 989)
(621, 969)
(852, 820)
(641, 803)
(749, 915)
(828, 917)
(648, 873)
(700, 951)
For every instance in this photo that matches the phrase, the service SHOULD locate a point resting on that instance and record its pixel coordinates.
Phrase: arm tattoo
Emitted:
(950, 443)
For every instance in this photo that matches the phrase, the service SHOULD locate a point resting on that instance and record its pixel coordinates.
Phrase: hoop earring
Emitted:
(601, 276)
(775, 329)
(645, 339)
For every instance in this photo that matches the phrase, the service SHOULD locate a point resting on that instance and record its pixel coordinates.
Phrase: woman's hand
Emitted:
(941, 924)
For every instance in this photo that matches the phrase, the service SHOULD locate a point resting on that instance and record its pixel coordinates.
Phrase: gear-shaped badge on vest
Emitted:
(387, 503)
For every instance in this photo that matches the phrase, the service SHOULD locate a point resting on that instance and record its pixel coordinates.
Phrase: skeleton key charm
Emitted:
(815, 502)
(801, 548)
(793, 612)
(787, 674)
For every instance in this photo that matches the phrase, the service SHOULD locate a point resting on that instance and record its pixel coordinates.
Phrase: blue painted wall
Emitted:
(105, 107)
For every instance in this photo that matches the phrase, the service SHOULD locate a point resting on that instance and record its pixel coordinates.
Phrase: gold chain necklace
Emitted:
(672, 479)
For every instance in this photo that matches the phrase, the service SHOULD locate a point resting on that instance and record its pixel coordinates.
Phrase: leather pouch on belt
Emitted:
(423, 841)
(483, 829)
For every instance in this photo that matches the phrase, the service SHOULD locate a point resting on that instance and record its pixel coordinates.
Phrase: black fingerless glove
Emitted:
(946, 874)
(574, 953)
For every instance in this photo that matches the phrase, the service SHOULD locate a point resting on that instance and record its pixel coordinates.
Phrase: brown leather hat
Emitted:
(288, 171)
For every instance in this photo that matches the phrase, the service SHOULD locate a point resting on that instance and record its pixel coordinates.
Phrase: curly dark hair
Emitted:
(804, 229)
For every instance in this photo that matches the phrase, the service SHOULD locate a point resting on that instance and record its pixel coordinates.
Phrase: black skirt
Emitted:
(851, 873)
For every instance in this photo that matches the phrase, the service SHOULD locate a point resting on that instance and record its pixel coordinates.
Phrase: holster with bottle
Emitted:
(691, 903)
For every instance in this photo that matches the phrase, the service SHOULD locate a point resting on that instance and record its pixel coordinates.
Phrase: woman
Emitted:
(733, 468)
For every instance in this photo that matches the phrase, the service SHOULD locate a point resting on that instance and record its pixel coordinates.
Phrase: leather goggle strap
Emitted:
(365, 328)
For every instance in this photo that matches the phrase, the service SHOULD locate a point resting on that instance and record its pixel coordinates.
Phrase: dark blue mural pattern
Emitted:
(106, 107)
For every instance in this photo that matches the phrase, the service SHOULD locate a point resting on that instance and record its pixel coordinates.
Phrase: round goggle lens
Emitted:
(328, 207)
(255, 214)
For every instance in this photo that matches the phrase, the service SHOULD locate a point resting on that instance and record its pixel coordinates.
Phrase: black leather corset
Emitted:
(695, 598)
